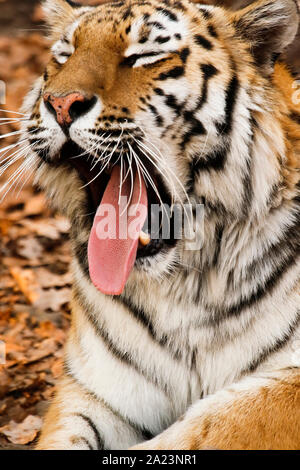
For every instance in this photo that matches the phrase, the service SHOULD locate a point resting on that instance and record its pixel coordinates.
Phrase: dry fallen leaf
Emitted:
(35, 205)
(22, 433)
(27, 283)
(44, 228)
(43, 349)
(53, 299)
(57, 368)
(48, 279)
(30, 248)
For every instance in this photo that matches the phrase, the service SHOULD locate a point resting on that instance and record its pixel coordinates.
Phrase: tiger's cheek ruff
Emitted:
(180, 81)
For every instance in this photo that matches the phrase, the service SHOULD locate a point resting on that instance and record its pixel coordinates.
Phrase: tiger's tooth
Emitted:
(145, 239)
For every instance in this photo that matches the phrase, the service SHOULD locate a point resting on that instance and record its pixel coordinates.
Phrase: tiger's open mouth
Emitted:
(101, 188)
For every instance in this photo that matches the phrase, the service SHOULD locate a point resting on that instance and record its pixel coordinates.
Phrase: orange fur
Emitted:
(266, 420)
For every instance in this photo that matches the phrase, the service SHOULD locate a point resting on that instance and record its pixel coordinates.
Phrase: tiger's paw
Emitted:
(180, 436)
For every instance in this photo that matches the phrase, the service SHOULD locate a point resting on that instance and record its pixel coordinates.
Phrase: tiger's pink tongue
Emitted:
(114, 238)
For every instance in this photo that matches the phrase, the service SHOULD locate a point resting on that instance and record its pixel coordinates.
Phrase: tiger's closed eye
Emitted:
(138, 60)
(62, 51)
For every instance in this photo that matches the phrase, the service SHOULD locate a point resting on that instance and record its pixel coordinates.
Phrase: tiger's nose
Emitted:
(66, 109)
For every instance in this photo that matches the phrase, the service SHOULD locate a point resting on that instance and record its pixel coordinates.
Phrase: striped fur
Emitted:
(217, 328)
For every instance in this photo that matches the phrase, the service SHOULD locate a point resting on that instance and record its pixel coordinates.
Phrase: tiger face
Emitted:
(149, 96)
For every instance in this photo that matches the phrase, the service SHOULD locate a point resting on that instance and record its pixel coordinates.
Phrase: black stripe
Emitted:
(123, 356)
(144, 319)
(230, 100)
(156, 24)
(263, 290)
(140, 315)
(147, 435)
(212, 31)
(89, 421)
(295, 117)
(132, 59)
(168, 13)
(286, 250)
(74, 4)
(247, 177)
(143, 40)
(277, 346)
(37, 140)
(117, 4)
(126, 357)
(218, 239)
(208, 71)
(217, 207)
(35, 130)
(196, 127)
(176, 72)
(179, 6)
(127, 14)
(159, 120)
(213, 161)
(140, 430)
(203, 42)
(172, 102)
(207, 14)
(113, 133)
(162, 39)
(184, 54)
(269, 285)
(284, 255)
(159, 91)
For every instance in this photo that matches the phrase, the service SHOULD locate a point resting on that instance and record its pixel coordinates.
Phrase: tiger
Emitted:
(179, 104)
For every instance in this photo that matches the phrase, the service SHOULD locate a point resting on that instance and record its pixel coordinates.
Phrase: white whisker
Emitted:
(10, 134)
(13, 112)
(148, 177)
(189, 266)
(16, 144)
(121, 179)
(139, 175)
(7, 121)
(131, 184)
(31, 167)
(172, 173)
(15, 177)
(98, 159)
(104, 167)
(10, 161)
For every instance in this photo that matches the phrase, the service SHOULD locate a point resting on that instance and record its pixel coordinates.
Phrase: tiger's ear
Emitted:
(270, 26)
(58, 14)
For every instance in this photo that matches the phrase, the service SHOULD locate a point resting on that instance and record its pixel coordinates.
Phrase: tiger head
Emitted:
(159, 102)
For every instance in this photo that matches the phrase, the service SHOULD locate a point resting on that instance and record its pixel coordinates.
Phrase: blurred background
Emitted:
(34, 247)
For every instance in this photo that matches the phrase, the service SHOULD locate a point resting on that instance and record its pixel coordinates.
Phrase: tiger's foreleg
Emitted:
(258, 413)
(77, 420)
